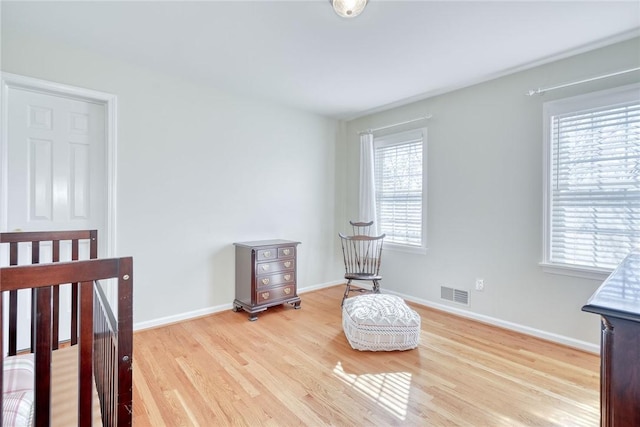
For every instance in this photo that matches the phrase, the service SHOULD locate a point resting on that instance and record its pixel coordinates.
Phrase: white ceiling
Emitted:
(300, 54)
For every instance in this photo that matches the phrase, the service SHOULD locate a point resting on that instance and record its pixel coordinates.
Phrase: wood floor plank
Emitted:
(295, 367)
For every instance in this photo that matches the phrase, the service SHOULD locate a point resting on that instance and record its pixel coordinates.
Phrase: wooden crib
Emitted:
(85, 379)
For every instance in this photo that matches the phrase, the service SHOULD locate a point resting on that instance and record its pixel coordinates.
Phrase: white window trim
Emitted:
(580, 102)
(575, 271)
(397, 138)
(396, 247)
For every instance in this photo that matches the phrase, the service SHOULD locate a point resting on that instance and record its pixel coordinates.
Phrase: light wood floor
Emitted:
(295, 367)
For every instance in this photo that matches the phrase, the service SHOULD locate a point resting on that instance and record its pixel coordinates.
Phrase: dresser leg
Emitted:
(253, 317)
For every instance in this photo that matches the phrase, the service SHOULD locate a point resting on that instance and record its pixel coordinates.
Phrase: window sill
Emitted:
(404, 248)
(599, 274)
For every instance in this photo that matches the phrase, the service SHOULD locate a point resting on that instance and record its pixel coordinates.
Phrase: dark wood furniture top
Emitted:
(617, 301)
(619, 295)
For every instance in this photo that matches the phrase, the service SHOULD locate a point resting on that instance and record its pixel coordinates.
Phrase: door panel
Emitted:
(56, 179)
(40, 184)
(57, 162)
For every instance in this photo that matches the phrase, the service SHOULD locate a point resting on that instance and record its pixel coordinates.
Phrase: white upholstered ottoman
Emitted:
(380, 322)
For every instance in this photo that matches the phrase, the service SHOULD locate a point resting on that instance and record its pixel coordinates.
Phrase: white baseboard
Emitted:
(320, 286)
(549, 336)
(163, 321)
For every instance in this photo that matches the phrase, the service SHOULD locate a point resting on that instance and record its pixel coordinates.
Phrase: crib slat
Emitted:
(13, 304)
(35, 252)
(55, 250)
(13, 253)
(93, 254)
(85, 357)
(42, 323)
(55, 333)
(74, 297)
(93, 244)
(13, 322)
(35, 259)
(55, 304)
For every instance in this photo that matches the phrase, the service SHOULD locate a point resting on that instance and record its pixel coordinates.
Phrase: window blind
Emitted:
(398, 179)
(595, 185)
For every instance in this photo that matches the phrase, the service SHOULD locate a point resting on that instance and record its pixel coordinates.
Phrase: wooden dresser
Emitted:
(617, 301)
(265, 275)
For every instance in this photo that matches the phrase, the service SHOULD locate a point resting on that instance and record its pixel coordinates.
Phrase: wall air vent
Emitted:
(455, 295)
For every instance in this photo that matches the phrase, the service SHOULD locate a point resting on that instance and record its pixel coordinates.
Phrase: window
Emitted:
(592, 174)
(399, 176)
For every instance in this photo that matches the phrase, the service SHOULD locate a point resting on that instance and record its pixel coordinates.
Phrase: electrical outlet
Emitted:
(479, 284)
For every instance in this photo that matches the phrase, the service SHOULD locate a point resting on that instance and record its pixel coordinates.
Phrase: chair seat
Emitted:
(380, 322)
(362, 276)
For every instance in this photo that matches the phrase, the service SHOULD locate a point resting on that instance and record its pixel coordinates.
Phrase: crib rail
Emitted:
(43, 278)
(113, 348)
(36, 240)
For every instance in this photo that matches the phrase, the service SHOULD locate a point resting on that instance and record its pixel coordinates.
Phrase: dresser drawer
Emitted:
(267, 253)
(272, 267)
(275, 279)
(286, 252)
(274, 294)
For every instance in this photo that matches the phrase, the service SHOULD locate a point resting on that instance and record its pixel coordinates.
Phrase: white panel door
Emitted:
(57, 163)
(56, 177)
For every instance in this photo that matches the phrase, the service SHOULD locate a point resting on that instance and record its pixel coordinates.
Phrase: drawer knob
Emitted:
(265, 295)
(286, 251)
(267, 254)
(287, 291)
(265, 281)
(287, 277)
(265, 267)
(287, 264)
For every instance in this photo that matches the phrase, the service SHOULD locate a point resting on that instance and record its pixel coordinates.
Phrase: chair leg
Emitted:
(346, 292)
(376, 287)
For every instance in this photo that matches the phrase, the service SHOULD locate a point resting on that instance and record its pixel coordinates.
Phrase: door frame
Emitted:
(9, 81)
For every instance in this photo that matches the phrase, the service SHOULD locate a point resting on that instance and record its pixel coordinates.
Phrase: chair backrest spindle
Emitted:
(362, 254)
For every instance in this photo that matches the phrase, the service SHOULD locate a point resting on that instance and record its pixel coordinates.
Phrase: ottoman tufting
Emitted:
(380, 322)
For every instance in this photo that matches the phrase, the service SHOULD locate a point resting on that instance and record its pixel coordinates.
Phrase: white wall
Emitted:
(199, 169)
(484, 195)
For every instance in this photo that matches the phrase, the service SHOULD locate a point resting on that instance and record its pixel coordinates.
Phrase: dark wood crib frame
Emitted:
(104, 339)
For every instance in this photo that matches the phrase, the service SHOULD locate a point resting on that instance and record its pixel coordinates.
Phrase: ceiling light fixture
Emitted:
(348, 8)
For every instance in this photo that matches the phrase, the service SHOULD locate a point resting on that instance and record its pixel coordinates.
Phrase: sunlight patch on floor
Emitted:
(390, 390)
